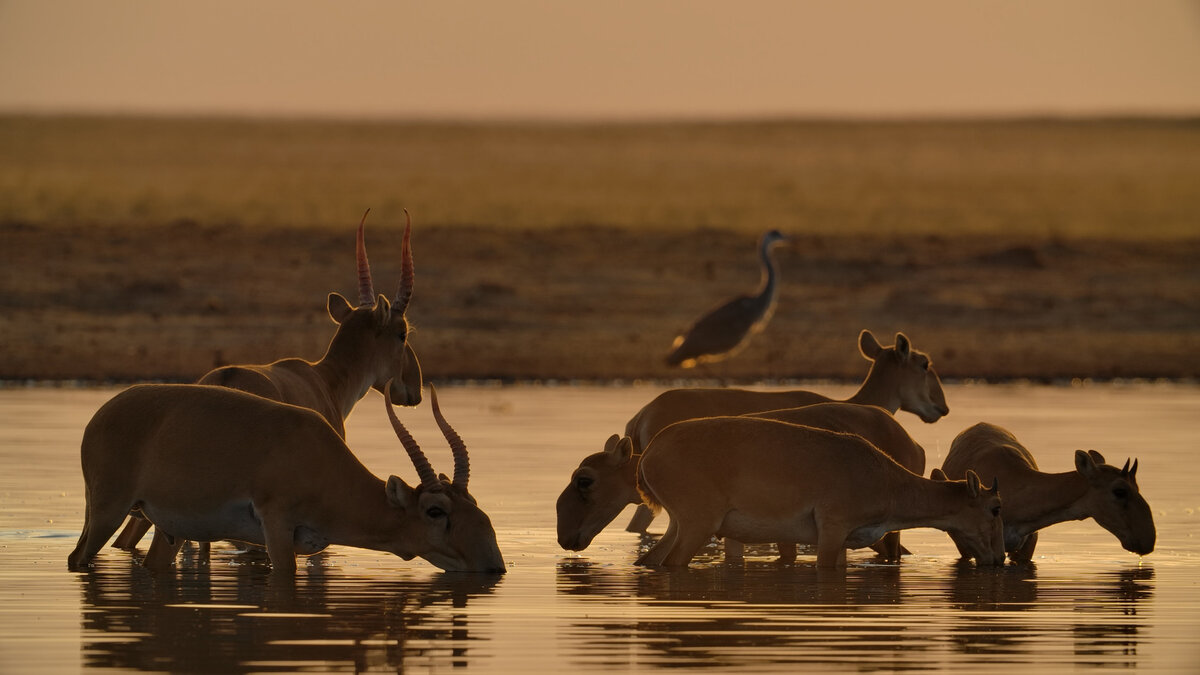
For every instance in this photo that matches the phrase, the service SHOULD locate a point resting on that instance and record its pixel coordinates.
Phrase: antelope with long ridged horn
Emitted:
(369, 350)
(1034, 499)
(900, 378)
(210, 463)
(760, 480)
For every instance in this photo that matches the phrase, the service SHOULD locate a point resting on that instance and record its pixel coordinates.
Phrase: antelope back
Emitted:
(874, 424)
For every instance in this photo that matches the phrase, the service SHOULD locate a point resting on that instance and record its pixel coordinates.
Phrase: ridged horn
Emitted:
(403, 295)
(424, 469)
(462, 465)
(366, 291)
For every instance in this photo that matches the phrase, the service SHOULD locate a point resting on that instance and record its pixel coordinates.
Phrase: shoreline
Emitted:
(597, 304)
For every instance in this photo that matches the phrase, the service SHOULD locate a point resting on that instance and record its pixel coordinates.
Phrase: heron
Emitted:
(723, 331)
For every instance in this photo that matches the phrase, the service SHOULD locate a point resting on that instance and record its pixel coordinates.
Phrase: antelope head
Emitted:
(379, 326)
(977, 527)
(1114, 501)
(909, 373)
(599, 490)
(454, 533)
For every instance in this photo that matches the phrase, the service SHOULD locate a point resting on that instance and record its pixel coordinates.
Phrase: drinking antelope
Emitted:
(605, 482)
(1033, 499)
(900, 378)
(210, 463)
(759, 480)
(369, 350)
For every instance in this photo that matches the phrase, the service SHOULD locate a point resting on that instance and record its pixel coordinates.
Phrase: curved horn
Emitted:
(406, 269)
(424, 470)
(366, 291)
(462, 465)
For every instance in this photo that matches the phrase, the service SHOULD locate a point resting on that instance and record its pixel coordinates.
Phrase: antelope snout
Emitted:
(404, 395)
(1140, 545)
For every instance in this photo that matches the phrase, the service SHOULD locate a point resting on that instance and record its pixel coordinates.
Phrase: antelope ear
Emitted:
(996, 484)
(868, 345)
(1096, 457)
(618, 450)
(972, 483)
(1084, 463)
(399, 494)
(903, 346)
(382, 311)
(938, 475)
(339, 307)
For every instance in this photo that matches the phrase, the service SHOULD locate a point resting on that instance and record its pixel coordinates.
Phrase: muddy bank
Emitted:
(172, 301)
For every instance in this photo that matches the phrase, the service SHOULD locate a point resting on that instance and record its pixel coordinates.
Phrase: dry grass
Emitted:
(1100, 178)
(157, 248)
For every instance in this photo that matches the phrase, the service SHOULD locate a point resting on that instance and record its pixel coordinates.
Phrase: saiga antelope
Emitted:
(1034, 499)
(605, 482)
(900, 378)
(369, 349)
(758, 480)
(210, 463)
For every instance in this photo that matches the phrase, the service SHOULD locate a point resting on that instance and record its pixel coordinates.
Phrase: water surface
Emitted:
(1083, 603)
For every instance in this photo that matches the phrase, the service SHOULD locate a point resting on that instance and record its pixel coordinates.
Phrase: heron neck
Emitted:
(769, 276)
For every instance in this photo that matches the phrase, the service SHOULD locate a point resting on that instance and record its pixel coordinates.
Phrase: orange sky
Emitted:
(621, 59)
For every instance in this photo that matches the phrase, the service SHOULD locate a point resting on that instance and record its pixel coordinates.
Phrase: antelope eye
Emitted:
(995, 511)
(583, 482)
(435, 512)
(1121, 492)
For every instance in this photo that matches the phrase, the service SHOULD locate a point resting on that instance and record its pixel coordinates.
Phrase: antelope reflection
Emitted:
(224, 620)
(879, 617)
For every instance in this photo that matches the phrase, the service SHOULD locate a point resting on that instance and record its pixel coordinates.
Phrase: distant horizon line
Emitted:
(620, 119)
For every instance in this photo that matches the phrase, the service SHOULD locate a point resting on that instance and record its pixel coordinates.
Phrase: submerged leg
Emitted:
(99, 524)
(163, 550)
(888, 547)
(657, 553)
(689, 539)
(134, 530)
(280, 537)
(831, 544)
(787, 552)
(641, 519)
(1024, 552)
(735, 551)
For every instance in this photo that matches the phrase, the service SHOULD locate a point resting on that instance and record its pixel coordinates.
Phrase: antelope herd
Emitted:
(257, 454)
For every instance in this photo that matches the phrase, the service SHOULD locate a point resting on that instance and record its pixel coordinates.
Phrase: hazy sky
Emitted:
(601, 59)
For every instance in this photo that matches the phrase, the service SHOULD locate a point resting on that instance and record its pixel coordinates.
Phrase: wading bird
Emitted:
(723, 331)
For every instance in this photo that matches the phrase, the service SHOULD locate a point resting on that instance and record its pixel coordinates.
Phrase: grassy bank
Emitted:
(154, 248)
(1123, 179)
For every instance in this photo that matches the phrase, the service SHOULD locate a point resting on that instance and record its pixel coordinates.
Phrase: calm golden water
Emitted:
(1085, 603)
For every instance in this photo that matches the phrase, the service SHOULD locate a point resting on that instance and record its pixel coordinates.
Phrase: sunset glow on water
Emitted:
(1083, 603)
